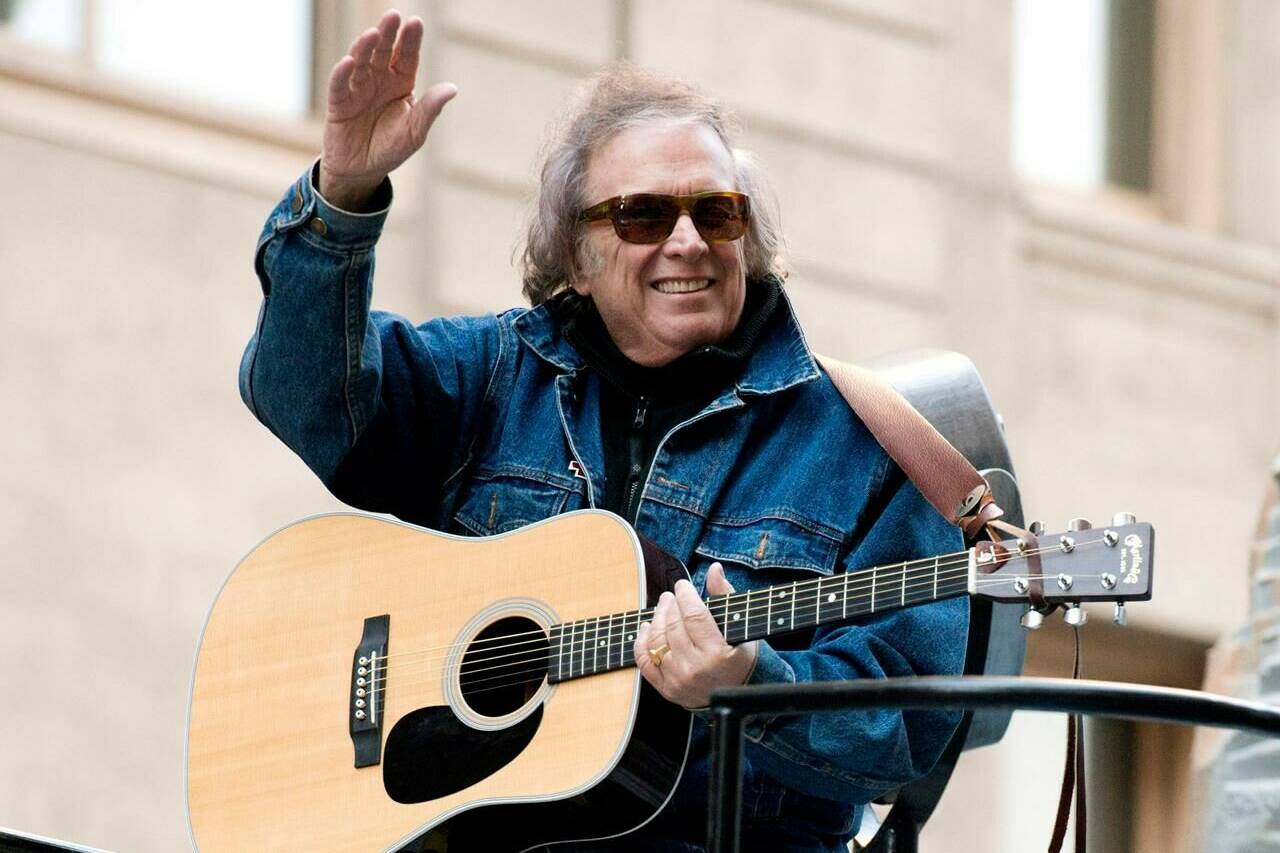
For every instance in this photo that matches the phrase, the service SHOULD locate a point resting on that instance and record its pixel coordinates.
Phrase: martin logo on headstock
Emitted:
(1068, 569)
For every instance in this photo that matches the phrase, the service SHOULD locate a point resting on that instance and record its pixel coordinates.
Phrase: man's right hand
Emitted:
(373, 124)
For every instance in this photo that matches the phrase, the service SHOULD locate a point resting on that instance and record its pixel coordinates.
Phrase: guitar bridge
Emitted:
(368, 691)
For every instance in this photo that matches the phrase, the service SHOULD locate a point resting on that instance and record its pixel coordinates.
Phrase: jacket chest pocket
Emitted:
(772, 552)
(768, 550)
(504, 501)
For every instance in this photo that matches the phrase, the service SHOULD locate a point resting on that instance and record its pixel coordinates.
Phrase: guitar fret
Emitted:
(615, 643)
(553, 666)
(572, 628)
(735, 625)
(935, 577)
(793, 605)
(903, 602)
(595, 646)
(874, 570)
(579, 637)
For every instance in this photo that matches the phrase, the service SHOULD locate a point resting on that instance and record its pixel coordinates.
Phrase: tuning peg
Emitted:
(1036, 527)
(1075, 617)
(1079, 524)
(1032, 620)
(1124, 519)
(1119, 618)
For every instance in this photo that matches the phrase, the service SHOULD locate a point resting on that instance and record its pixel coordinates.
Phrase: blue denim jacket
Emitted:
(470, 425)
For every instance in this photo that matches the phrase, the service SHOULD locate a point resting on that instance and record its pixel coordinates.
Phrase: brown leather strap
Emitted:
(1072, 776)
(938, 470)
(963, 497)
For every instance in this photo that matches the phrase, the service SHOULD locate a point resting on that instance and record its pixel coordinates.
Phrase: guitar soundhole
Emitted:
(504, 666)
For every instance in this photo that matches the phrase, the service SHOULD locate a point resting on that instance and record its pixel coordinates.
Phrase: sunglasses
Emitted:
(651, 217)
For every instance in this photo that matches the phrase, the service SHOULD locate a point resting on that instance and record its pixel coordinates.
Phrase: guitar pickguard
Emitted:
(430, 753)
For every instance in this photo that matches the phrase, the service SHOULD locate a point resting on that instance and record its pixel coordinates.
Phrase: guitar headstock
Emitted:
(1082, 564)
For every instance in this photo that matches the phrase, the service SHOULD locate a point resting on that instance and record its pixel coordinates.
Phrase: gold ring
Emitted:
(656, 655)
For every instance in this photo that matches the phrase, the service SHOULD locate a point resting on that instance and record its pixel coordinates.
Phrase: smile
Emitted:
(684, 285)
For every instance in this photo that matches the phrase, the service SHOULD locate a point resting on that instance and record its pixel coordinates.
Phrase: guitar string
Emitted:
(892, 578)
(539, 673)
(578, 649)
(959, 558)
(579, 661)
(540, 655)
(809, 604)
(853, 594)
(846, 579)
(926, 565)
(539, 661)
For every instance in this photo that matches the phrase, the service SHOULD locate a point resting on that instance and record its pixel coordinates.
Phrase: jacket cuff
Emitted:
(770, 668)
(327, 225)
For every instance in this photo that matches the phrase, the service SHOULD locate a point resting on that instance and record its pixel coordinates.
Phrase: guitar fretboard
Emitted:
(604, 643)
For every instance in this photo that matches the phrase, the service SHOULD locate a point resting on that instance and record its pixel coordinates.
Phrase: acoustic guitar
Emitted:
(365, 685)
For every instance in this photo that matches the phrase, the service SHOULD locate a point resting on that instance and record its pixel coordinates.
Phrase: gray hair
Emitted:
(615, 99)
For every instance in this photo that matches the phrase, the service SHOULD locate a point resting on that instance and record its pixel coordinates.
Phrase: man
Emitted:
(660, 374)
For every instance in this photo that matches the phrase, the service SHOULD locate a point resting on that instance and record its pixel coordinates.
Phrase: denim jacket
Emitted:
(479, 425)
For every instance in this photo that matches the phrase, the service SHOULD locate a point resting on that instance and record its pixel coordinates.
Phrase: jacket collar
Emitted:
(780, 360)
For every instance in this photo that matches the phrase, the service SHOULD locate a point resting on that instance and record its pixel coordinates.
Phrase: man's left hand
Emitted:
(697, 659)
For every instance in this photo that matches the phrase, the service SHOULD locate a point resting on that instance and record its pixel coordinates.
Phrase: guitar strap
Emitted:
(960, 494)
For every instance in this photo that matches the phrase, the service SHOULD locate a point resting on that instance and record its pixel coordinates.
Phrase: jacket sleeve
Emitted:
(855, 756)
(381, 410)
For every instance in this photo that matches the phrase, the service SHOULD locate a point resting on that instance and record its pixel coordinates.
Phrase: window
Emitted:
(1082, 93)
(242, 54)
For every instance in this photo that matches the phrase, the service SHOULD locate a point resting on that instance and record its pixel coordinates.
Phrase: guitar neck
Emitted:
(604, 643)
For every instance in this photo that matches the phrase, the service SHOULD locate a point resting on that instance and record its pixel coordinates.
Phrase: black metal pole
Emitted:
(724, 817)
(731, 707)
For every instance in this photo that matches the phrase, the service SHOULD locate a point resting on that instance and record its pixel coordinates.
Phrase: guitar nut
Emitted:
(1067, 544)
(1111, 538)
(1064, 582)
(1020, 585)
(1108, 581)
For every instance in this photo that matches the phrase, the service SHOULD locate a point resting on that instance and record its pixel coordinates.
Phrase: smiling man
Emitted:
(660, 374)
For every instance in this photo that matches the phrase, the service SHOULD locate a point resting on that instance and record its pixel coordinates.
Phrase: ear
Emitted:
(580, 286)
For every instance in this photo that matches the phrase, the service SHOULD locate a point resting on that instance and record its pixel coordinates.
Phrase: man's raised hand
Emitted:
(373, 124)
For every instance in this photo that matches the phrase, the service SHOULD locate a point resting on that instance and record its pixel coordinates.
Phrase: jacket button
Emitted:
(296, 205)
(317, 226)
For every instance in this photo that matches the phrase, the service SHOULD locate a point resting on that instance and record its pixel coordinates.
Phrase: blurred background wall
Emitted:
(1083, 197)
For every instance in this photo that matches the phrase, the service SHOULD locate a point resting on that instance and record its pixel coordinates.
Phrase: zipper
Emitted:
(635, 468)
(705, 413)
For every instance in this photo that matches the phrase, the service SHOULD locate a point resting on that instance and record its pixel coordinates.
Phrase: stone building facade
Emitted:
(1130, 342)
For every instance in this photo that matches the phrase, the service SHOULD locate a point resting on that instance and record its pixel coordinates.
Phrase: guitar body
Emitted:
(454, 757)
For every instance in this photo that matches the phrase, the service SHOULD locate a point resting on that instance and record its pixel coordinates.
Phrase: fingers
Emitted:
(404, 57)
(427, 109)
(695, 620)
(640, 650)
(717, 583)
(669, 626)
(387, 28)
(362, 48)
(340, 80)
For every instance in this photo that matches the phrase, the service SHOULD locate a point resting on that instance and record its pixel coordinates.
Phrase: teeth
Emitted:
(688, 285)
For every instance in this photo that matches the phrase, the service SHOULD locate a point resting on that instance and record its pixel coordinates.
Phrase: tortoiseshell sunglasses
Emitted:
(651, 217)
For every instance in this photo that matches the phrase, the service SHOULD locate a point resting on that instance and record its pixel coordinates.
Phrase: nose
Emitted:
(685, 241)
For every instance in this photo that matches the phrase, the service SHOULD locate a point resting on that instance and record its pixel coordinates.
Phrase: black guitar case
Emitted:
(945, 387)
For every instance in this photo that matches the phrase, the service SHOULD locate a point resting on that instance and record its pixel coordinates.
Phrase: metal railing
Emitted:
(732, 707)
